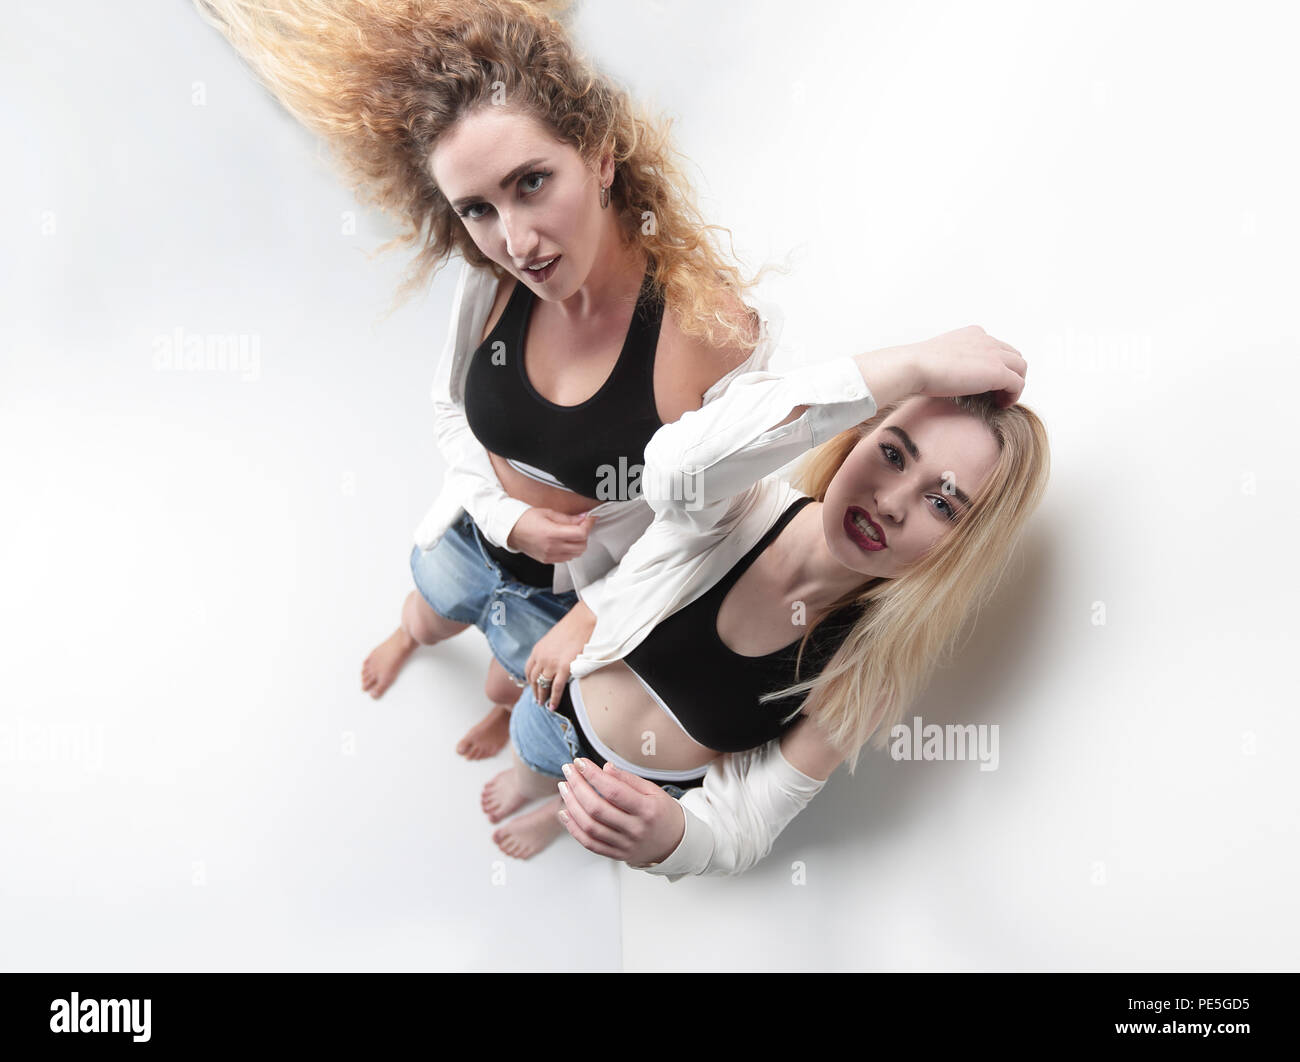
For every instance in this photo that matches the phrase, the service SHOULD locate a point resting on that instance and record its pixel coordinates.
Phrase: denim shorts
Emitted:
(462, 583)
(546, 741)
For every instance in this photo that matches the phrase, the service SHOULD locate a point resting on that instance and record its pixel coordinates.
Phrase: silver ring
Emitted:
(544, 682)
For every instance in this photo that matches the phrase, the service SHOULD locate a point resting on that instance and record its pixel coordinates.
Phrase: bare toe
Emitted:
(488, 736)
(502, 797)
(381, 667)
(525, 836)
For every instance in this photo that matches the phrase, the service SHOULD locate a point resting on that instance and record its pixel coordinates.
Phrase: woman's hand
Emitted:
(967, 361)
(554, 653)
(630, 818)
(549, 536)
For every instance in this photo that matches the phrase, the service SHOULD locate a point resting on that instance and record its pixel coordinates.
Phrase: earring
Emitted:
(604, 197)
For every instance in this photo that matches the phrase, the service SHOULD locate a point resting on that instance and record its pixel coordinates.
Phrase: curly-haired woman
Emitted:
(591, 309)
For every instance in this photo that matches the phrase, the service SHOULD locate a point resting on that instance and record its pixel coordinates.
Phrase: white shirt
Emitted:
(470, 483)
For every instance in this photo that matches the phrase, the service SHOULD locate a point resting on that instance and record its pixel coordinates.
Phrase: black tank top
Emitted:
(712, 691)
(596, 448)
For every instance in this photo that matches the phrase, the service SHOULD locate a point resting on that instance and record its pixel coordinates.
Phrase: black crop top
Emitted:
(712, 691)
(576, 447)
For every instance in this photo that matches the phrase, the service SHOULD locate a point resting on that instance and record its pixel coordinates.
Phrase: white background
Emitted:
(195, 563)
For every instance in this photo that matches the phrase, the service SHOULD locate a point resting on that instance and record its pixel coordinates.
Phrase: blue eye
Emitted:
(542, 175)
(892, 454)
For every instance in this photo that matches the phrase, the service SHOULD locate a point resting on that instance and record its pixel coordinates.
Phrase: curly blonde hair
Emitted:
(382, 81)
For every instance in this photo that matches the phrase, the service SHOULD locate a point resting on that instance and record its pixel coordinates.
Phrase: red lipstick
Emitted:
(860, 537)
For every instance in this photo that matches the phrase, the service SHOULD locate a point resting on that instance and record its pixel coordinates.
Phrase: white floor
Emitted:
(195, 561)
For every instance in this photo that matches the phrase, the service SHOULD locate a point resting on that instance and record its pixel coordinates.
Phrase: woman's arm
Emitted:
(723, 827)
(764, 420)
(760, 422)
(470, 477)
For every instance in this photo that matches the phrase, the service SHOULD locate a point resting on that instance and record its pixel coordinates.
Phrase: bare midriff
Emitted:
(752, 620)
(628, 720)
(538, 495)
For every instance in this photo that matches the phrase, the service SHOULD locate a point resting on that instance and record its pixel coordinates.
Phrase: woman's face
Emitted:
(906, 480)
(524, 197)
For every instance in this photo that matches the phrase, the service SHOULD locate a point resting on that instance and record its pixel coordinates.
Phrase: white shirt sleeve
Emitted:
(735, 817)
(470, 477)
(729, 444)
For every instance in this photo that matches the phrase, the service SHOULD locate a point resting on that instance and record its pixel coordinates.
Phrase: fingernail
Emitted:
(581, 764)
(564, 788)
(568, 771)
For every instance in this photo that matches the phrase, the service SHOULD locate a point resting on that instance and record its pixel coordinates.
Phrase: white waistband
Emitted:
(655, 774)
(535, 473)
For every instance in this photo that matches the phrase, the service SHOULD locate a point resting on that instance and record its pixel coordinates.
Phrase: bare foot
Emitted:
(504, 795)
(385, 661)
(488, 736)
(526, 835)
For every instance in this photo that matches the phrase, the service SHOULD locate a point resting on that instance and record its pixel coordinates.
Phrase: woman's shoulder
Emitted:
(705, 360)
(736, 327)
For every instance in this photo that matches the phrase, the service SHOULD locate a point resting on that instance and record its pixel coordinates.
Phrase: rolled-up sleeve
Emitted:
(735, 817)
(735, 440)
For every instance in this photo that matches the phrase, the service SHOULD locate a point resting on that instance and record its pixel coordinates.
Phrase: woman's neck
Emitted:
(813, 576)
(615, 275)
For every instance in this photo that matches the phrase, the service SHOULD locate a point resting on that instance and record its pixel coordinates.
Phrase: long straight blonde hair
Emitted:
(382, 81)
(910, 623)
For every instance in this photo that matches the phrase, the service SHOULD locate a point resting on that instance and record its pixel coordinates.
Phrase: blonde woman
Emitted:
(757, 637)
(591, 309)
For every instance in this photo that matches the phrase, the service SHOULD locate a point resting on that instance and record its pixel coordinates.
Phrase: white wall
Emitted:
(195, 564)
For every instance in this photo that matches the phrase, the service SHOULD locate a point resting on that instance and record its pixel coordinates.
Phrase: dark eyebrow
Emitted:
(506, 182)
(910, 447)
